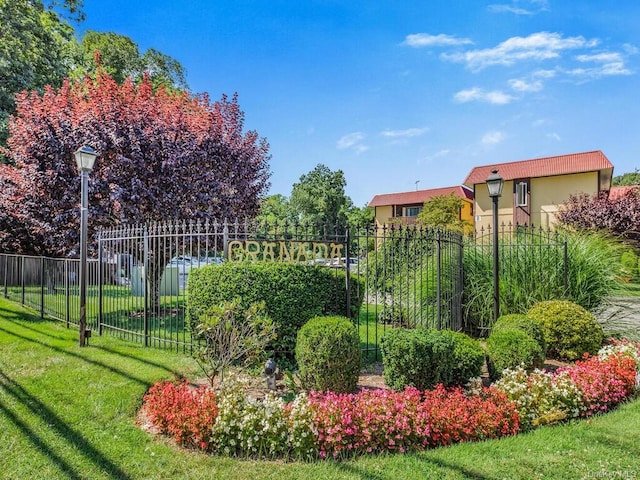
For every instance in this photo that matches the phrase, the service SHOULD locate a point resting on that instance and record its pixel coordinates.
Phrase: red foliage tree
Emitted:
(163, 155)
(619, 216)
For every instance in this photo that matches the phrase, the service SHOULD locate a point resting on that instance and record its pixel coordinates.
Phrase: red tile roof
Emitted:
(418, 196)
(542, 167)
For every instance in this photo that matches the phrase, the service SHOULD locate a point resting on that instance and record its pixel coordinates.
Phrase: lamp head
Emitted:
(85, 158)
(495, 183)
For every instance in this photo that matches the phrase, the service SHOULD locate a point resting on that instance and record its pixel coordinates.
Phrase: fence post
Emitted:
(145, 285)
(42, 282)
(225, 240)
(6, 271)
(348, 273)
(22, 278)
(566, 267)
(439, 279)
(66, 290)
(100, 283)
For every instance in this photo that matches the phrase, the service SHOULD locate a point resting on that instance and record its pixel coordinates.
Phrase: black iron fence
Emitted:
(411, 275)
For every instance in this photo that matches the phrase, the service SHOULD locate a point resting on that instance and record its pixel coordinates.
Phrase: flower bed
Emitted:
(371, 421)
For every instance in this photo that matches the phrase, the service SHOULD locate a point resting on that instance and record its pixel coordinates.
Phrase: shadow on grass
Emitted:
(48, 417)
(40, 444)
(175, 373)
(115, 370)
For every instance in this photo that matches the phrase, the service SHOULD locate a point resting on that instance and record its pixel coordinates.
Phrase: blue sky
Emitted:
(399, 92)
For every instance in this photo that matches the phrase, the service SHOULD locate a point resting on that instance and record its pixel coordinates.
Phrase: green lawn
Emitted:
(67, 412)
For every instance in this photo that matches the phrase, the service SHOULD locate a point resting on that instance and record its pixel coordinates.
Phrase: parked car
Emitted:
(342, 263)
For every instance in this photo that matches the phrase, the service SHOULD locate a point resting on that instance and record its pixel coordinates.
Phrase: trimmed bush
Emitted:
(417, 357)
(524, 323)
(510, 348)
(468, 358)
(328, 354)
(292, 294)
(569, 330)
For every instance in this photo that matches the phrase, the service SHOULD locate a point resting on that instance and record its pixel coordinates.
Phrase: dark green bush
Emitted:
(328, 354)
(569, 330)
(508, 348)
(418, 357)
(524, 323)
(292, 294)
(468, 358)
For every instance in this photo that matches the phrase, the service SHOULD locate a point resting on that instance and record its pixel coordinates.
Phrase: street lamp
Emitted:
(495, 183)
(85, 158)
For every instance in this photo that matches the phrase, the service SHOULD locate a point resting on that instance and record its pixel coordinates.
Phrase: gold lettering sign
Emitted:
(286, 252)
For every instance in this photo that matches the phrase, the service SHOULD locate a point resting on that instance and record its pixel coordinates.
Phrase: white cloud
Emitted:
(352, 141)
(553, 136)
(409, 132)
(520, 7)
(606, 70)
(520, 85)
(544, 73)
(600, 57)
(495, 97)
(493, 138)
(537, 47)
(417, 40)
(630, 49)
(349, 140)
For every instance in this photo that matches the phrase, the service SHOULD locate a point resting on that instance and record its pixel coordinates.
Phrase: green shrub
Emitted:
(509, 348)
(292, 295)
(418, 357)
(328, 354)
(468, 358)
(524, 323)
(569, 329)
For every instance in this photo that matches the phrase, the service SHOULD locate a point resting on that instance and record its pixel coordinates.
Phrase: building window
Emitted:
(412, 211)
(521, 194)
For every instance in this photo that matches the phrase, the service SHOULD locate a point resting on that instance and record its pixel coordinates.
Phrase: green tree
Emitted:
(119, 57)
(626, 179)
(36, 49)
(319, 196)
(443, 211)
(275, 208)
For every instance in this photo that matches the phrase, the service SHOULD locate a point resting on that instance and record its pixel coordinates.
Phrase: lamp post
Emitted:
(85, 159)
(494, 184)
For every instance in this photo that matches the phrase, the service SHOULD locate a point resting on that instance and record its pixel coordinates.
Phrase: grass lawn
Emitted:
(67, 412)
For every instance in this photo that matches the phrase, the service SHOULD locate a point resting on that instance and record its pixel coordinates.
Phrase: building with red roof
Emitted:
(404, 207)
(534, 189)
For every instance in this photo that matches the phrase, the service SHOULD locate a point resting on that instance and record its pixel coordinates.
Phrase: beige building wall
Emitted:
(383, 214)
(547, 194)
(483, 213)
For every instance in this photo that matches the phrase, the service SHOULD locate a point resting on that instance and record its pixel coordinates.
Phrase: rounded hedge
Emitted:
(509, 348)
(569, 330)
(524, 323)
(417, 357)
(329, 355)
(292, 293)
(468, 358)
